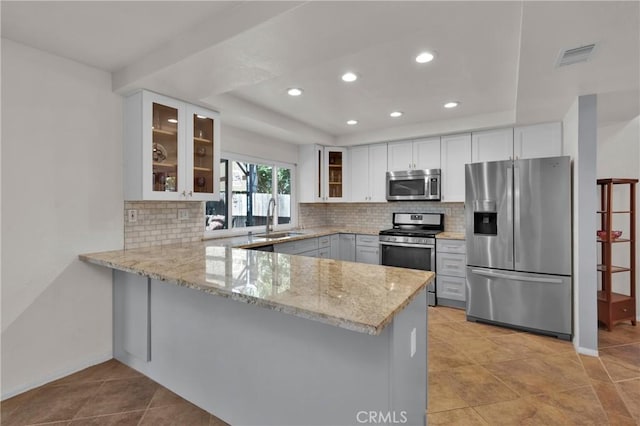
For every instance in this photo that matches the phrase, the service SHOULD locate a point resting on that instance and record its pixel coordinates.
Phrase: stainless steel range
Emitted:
(411, 243)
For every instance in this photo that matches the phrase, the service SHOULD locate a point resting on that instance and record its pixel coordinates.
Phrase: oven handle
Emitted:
(429, 246)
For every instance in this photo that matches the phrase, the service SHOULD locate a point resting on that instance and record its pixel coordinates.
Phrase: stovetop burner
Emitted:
(410, 232)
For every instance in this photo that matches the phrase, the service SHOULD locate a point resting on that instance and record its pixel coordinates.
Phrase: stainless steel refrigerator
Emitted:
(518, 233)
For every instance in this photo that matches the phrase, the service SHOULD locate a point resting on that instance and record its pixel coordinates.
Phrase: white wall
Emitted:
(619, 157)
(244, 142)
(61, 196)
(580, 142)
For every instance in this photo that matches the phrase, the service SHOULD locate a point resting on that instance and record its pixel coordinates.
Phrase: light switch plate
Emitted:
(132, 215)
(183, 214)
(413, 342)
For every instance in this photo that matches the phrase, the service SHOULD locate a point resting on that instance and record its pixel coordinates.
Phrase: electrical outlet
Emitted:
(183, 214)
(132, 215)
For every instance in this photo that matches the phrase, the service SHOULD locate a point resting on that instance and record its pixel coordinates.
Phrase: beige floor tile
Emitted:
(453, 314)
(176, 415)
(476, 386)
(580, 405)
(630, 392)
(610, 399)
(543, 374)
(615, 420)
(109, 370)
(436, 315)
(163, 397)
(443, 356)
(524, 346)
(622, 362)
(441, 394)
(524, 411)
(481, 350)
(621, 334)
(51, 404)
(118, 396)
(462, 417)
(594, 368)
(451, 330)
(122, 419)
(489, 330)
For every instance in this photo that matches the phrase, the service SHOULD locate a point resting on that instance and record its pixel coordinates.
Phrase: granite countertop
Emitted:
(451, 236)
(256, 240)
(354, 296)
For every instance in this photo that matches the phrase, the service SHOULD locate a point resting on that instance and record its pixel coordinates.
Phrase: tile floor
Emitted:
(478, 375)
(485, 375)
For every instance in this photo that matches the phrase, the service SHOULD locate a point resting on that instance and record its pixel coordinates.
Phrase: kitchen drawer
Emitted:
(310, 253)
(296, 247)
(324, 252)
(450, 287)
(324, 241)
(451, 246)
(366, 254)
(367, 240)
(451, 264)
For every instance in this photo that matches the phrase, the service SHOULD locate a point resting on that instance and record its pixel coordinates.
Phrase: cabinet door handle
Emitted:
(190, 193)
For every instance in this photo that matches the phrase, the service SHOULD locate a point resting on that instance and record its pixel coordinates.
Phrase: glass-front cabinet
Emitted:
(322, 171)
(334, 173)
(170, 149)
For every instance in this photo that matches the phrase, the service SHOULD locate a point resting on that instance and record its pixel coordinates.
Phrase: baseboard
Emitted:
(58, 375)
(585, 351)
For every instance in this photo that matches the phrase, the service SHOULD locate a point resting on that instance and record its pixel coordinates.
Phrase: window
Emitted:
(246, 187)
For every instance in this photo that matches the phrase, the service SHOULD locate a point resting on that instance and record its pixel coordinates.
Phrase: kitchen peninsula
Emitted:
(273, 339)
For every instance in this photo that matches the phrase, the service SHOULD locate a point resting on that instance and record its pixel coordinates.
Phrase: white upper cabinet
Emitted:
(322, 173)
(400, 156)
(368, 165)
(456, 152)
(426, 153)
(537, 141)
(171, 149)
(492, 145)
(417, 154)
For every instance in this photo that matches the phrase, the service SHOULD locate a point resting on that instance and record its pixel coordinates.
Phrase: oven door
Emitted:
(414, 256)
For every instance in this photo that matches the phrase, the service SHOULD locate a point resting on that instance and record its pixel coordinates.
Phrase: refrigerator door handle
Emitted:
(510, 214)
(516, 211)
(494, 274)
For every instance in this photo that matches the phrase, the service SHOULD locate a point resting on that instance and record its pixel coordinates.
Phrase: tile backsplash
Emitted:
(157, 223)
(376, 215)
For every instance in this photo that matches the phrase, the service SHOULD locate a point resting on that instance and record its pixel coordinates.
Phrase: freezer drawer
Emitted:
(533, 301)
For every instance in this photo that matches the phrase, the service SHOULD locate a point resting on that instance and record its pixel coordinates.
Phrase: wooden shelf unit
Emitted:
(615, 307)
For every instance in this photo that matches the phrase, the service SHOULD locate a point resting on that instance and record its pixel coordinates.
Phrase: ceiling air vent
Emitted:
(575, 55)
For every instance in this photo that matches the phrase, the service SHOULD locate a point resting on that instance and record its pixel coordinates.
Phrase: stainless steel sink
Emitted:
(276, 235)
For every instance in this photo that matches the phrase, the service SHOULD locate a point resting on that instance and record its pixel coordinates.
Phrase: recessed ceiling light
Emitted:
(349, 77)
(395, 114)
(172, 120)
(452, 104)
(352, 122)
(294, 91)
(424, 57)
(200, 116)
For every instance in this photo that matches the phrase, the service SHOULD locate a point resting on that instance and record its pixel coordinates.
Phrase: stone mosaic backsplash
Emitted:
(157, 223)
(376, 215)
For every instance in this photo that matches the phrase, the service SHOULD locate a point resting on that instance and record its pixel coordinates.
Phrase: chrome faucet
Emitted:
(271, 208)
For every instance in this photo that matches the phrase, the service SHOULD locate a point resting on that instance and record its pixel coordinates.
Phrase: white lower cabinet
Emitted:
(367, 249)
(334, 246)
(451, 263)
(347, 247)
(306, 247)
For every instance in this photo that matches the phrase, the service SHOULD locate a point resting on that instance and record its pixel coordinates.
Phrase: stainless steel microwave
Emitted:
(411, 185)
